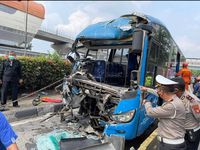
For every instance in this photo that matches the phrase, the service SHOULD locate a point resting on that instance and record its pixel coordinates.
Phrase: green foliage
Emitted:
(55, 57)
(38, 72)
(195, 72)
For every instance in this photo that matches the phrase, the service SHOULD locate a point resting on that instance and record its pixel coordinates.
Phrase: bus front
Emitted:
(114, 54)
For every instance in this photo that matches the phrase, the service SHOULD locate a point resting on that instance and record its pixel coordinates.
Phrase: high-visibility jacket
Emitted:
(186, 74)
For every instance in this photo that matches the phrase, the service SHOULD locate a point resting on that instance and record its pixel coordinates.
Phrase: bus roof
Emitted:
(150, 19)
(116, 29)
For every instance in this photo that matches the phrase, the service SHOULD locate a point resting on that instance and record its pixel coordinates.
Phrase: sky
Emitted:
(68, 18)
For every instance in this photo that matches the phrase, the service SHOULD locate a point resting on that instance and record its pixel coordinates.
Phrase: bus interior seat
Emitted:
(99, 68)
(111, 73)
(115, 74)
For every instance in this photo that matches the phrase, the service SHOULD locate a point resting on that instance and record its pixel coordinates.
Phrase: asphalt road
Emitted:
(138, 141)
(28, 130)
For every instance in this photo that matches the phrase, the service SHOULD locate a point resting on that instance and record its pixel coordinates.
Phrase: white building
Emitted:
(194, 63)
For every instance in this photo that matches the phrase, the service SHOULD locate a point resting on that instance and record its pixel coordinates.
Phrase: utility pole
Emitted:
(26, 27)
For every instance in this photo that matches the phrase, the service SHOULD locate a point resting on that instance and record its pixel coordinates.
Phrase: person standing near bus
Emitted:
(10, 76)
(186, 74)
(171, 115)
(192, 125)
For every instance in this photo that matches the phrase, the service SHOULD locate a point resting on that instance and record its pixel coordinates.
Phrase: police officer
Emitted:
(192, 126)
(171, 115)
(10, 76)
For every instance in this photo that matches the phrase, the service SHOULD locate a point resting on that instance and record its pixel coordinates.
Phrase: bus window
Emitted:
(156, 33)
(118, 56)
(133, 59)
(117, 64)
(172, 61)
(152, 59)
(164, 52)
(153, 52)
(102, 54)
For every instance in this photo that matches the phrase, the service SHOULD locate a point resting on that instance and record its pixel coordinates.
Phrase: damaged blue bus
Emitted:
(111, 60)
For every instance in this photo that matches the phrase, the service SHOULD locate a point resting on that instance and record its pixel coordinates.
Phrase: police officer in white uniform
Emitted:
(192, 126)
(171, 115)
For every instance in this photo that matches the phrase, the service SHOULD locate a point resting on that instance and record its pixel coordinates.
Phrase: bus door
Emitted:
(149, 81)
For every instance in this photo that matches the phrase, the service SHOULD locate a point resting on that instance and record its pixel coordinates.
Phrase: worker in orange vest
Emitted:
(186, 74)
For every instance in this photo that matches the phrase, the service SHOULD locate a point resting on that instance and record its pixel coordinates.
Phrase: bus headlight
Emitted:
(124, 117)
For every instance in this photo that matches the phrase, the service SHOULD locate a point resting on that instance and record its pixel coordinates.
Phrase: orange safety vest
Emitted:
(186, 74)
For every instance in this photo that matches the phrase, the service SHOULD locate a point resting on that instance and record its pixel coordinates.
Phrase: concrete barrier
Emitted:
(24, 113)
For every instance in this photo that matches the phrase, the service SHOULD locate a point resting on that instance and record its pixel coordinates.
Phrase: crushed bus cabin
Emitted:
(110, 60)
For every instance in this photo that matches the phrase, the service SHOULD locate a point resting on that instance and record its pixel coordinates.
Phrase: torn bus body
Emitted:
(110, 59)
(103, 82)
(96, 101)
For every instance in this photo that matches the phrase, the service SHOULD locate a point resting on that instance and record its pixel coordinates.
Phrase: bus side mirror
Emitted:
(138, 36)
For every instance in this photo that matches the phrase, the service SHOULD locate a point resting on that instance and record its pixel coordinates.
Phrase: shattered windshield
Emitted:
(111, 66)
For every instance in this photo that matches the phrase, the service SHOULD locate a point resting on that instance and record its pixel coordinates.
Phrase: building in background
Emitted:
(20, 21)
(194, 63)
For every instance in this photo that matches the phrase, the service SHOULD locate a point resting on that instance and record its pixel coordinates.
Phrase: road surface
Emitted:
(31, 130)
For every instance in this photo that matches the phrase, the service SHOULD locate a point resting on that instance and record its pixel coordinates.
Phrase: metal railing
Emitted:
(4, 50)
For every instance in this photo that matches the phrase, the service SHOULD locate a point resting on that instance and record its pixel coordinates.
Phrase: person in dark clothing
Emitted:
(10, 76)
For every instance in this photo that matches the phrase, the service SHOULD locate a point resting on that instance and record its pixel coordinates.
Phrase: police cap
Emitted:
(164, 81)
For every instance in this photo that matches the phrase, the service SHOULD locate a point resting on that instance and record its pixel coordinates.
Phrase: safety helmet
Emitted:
(185, 64)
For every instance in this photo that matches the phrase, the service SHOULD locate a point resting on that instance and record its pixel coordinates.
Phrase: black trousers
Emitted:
(192, 139)
(4, 91)
(164, 146)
